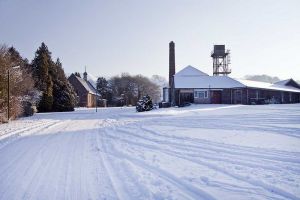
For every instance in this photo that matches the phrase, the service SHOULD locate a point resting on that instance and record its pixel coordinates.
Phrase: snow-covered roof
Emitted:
(92, 79)
(87, 85)
(284, 82)
(191, 77)
(190, 71)
(274, 86)
(206, 82)
(284, 88)
(288, 82)
(254, 84)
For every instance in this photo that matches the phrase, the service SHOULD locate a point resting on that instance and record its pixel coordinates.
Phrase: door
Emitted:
(186, 98)
(216, 97)
(237, 97)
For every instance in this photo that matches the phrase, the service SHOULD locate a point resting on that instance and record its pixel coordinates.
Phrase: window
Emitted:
(201, 94)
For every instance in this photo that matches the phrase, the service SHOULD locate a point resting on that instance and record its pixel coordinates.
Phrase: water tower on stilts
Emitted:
(221, 60)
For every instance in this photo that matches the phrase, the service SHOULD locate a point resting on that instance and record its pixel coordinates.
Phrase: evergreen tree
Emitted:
(103, 87)
(77, 74)
(57, 92)
(63, 92)
(41, 65)
(144, 104)
(15, 57)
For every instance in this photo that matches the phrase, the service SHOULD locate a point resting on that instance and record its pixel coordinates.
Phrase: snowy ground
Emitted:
(198, 152)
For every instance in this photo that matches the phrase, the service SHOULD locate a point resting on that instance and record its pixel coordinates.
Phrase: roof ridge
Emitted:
(190, 71)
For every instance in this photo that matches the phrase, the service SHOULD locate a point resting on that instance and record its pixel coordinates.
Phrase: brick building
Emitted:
(193, 86)
(86, 92)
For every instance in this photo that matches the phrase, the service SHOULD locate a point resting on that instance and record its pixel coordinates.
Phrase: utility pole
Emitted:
(8, 97)
(8, 91)
(96, 98)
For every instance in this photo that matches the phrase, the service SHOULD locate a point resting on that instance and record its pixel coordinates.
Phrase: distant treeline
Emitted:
(262, 78)
(128, 89)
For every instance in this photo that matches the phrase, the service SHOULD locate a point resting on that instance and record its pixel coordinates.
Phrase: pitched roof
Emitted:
(190, 71)
(270, 86)
(206, 82)
(283, 82)
(87, 85)
(289, 82)
(190, 77)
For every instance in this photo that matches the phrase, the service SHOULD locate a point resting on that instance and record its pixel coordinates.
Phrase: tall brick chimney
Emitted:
(171, 62)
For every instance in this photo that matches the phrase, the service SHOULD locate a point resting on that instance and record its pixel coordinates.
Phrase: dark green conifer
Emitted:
(77, 74)
(42, 64)
(63, 92)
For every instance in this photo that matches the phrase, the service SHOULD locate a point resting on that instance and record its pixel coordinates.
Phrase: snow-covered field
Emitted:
(198, 152)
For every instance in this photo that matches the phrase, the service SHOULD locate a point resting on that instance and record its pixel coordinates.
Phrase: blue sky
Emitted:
(111, 37)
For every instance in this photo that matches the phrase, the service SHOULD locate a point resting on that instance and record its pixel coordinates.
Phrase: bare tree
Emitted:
(132, 88)
(4, 66)
(161, 82)
(16, 84)
(146, 86)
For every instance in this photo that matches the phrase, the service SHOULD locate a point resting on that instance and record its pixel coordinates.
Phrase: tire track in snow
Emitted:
(253, 123)
(190, 190)
(218, 147)
(21, 157)
(33, 168)
(101, 180)
(208, 152)
(54, 174)
(116, 184)
(45, 161)
(16, 140)
(35, 188)
(157, 145)
(11, 137)
(251, 181)
(21, 130)
(124, 183)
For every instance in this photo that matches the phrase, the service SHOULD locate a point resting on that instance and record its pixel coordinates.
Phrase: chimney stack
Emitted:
(171, 62)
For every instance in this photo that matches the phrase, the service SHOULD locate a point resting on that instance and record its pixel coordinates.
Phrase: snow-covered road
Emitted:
(198, 152)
